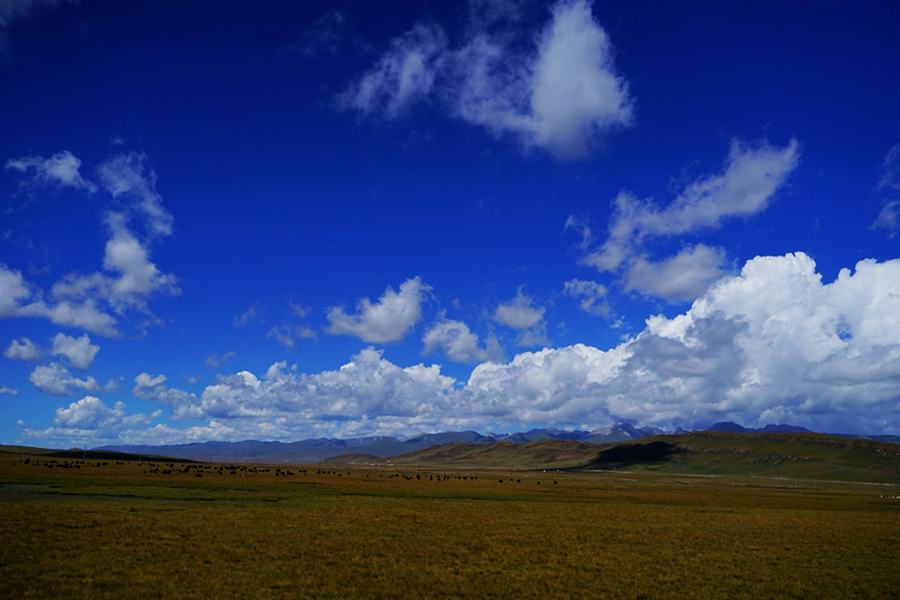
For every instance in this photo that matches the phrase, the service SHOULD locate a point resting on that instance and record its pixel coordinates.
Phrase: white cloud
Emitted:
(772, 344)
(55, 379)
(148, 387)
(80, 351)
(459, 344)
(23, 349)
(15, 294)
(561, 96)
(4, 390)
(369, 385)
(61, 169)
(388, 320)
(91, 413)
(130, 278)
(404, 75)
(135, 277)
(592, 295)
(682, 277)
(518, 313)
(124, 177)
(751, 177)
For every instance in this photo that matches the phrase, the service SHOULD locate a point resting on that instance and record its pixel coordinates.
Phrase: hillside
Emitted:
(791, 455)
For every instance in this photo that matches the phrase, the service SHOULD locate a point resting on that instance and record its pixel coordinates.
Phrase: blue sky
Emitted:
(232, 220)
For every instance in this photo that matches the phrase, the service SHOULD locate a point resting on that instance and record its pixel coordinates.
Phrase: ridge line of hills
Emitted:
(319, 449)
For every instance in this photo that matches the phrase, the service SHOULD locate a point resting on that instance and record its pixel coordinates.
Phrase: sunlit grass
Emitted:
(118, 532)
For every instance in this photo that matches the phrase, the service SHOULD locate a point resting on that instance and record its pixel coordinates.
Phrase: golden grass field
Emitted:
(120, 531)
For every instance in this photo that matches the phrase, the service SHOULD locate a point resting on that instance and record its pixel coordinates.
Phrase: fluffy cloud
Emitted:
(459, 344)
(562, 96)
(130, 278)
(751, 177)
(520, 314)
(91, 413)
(60, 169)
(369, 385)
(592, 296)
(771, 344)
(388, 320)
(55, 379)
(8, 391)
(23, 349)
(18, 300)
(80, 351)
(561, 99)
(134, 278)
(148, 387)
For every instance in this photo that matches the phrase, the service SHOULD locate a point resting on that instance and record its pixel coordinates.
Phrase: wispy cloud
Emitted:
(562, 96)
(748, 182)
(889, 185)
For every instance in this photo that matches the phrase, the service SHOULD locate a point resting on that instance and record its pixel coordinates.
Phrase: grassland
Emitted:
(123, 529)
(794, 456)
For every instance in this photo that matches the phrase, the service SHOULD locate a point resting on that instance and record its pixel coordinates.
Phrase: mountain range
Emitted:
(319, 449)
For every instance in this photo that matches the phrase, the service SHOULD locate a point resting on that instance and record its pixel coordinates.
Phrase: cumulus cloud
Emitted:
(4, 390)
(519, 313)
(773, 343)
(130, 278)
(459, 344)
(56, 380)
(388, 320)
(20, 299)
(80, 351)
(562, 96)
(369, 385)
(751, 177)
(23, 349)
(91, 413)
(148, 387)
(61, 169)
(591, 294)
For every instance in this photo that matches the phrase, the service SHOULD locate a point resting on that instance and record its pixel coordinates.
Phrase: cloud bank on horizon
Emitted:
(482, 228)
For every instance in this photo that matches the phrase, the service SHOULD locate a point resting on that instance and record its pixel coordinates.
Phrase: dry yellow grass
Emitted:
(118, 532)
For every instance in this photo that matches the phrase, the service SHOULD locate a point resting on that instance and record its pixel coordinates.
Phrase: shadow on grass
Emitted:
(628, 455)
